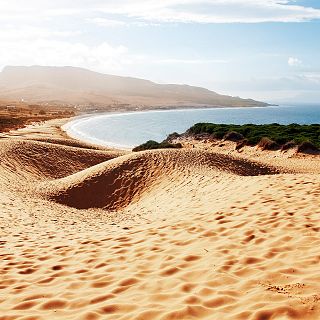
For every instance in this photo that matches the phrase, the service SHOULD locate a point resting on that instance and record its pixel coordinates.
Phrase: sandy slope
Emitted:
(190, 234)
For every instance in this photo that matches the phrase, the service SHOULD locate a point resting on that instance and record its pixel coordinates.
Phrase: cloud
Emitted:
(179, 11)
(214, 11)
(190, 61)
(16, 33)
(39, 45)
(293, 62)
(102, 22)
(59, 52)
(304, 87)
(297, 82)
(112, 23)
(312, 77)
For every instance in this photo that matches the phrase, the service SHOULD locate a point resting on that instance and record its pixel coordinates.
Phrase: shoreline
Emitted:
(71, 126)
(80, 137)
(102, 143)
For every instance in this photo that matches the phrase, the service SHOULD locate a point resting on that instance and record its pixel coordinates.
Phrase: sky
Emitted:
(262, 49)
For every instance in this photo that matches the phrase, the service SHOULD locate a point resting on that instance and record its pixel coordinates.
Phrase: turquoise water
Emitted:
(127, 130)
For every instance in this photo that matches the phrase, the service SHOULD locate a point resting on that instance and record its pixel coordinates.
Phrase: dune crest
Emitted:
(115, 184)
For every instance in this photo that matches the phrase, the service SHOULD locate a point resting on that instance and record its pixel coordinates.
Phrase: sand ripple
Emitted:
(154, 235)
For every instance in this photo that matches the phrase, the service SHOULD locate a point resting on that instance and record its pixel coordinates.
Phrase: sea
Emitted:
(127, 130)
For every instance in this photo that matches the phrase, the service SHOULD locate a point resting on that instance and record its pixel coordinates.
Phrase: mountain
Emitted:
(77, 86)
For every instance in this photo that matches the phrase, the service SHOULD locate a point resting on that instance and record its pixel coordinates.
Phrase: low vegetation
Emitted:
(17, 114)
(307, 147)
(267, 144)
(156, 145)
(268, 136)
(10, 123)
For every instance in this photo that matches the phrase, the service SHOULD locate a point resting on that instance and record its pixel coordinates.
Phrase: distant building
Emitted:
(13, 108)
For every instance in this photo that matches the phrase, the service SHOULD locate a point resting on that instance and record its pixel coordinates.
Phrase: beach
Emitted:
(203, 232)
(130, 129)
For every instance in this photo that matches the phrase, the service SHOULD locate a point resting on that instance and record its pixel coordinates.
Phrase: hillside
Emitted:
(76, 86)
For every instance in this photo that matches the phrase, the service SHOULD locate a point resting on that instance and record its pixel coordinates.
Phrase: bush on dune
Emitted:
(8, 123)
(288, 145)
(233, 136)
(268, 144)
(241, 144)
(308, 147)
(172, 136)
(151, 144)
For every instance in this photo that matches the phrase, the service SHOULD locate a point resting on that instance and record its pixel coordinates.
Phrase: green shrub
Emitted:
(172, 136)
(233, 136)
(280, 134)
(151, 144)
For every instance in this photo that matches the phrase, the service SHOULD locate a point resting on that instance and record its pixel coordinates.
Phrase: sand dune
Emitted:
(115, 184)
(181, 234)
(46, 160)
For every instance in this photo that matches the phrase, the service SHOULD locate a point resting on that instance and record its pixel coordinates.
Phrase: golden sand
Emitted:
(168, 234)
